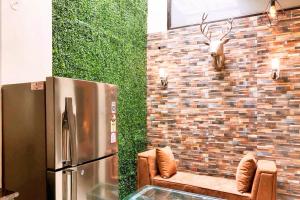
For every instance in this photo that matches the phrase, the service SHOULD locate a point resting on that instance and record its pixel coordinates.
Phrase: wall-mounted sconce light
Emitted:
(163, 77)
(272, 11)
(275, 68)
(14, 4)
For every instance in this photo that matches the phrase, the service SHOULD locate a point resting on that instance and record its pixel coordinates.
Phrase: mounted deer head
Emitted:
(216, 47)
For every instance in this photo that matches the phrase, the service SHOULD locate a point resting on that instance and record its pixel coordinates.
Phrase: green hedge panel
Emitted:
(105, 40)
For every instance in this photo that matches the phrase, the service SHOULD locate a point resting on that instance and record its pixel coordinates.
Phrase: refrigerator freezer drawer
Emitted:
(92, 181)
(81, 121)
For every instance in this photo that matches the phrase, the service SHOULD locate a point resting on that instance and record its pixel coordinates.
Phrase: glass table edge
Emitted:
(146, 188)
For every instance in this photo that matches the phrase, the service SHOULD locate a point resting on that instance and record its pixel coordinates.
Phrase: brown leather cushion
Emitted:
(201, 184)
(245, 173)
(166, 162)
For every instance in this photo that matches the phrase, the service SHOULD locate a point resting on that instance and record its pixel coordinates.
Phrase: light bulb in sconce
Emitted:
(163, 77)
(275, 68)
(273, 11)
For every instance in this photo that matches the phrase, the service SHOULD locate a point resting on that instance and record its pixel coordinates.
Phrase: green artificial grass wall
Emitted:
(105, 41)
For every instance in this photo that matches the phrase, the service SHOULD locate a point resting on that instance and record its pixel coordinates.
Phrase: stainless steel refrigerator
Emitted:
(60, 140)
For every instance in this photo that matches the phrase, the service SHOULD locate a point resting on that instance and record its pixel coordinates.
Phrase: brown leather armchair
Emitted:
(263, 187)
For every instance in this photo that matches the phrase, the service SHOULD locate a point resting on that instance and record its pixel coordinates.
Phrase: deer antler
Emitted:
(229, 22)
(205, 29)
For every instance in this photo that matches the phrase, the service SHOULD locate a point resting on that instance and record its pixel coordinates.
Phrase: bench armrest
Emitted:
(265, 181)
(146, 168)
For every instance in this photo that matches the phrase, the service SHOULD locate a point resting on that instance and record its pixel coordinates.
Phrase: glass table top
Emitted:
(158, 193)
(104, 192)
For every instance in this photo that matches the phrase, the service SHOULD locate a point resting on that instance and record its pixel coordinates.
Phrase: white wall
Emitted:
(25, 44)
(157, 16)
(26, 40)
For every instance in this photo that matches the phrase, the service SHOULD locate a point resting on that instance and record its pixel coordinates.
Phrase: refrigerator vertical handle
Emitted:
(70, 185)
(72, 131)
(65, 138)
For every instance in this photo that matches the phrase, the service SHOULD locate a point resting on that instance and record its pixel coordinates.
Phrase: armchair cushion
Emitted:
(245, 173)
(166, 162)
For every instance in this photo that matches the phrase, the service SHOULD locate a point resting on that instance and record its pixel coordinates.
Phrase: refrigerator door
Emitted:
(24, 140)
(81, 121)
(92, 181)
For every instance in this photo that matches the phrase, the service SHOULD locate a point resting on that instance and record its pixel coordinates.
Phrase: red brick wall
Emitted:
(211, 119)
